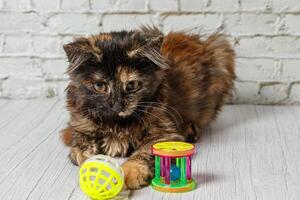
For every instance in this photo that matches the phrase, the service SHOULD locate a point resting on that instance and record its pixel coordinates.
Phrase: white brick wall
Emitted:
(265, 34)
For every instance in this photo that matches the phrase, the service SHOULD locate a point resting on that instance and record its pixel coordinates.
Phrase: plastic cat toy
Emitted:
(173, 169)
(101, 177)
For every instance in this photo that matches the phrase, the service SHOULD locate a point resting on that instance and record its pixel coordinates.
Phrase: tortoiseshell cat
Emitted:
(129, 90)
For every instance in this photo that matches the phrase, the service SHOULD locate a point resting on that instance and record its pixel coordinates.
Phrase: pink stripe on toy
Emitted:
(162, 166)
(167, 170)
(188, 168)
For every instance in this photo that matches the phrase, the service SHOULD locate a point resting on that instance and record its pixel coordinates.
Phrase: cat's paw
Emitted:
(136, 174)
(77, 156)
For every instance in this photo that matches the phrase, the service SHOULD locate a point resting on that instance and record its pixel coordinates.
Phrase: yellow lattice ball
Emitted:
(101, 177)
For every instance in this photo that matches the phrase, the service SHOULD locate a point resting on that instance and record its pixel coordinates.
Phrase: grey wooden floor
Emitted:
(250, 152)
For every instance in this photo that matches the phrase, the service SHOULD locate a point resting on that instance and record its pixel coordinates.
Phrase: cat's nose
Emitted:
(117, 108)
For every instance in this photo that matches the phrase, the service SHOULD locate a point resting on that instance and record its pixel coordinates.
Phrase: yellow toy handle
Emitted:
(173, 149)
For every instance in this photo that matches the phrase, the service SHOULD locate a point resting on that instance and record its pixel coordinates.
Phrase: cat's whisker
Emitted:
(137, 116)
(165, 106)
(162, 121)
(168, 111)
(162, 108)
(165, 110)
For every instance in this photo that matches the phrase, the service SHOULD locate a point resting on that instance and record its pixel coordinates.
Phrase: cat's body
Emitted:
(129, 90)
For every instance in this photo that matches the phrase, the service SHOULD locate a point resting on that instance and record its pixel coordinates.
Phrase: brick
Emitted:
(250, 23)
(193, 5)
(24, 87)
(122, 22)
(285, 45)
(195, 23)
(74, 23)
(45, 45)
(224, 5)
(295, 93)
(1, 89)
(1, 42)
(291, 69)
(45, 5)
(256, 5)
(20, 22)
(131, 5)
(55, 69)
(15, 65)
(166, 5)
(292, 24)
(56, 89)
(2, 77)
(246, 92)
(286, 5)
(252, 46)
(103, 5)
(266, 46)
(257, 69)
(17, 44)
(273, 93)
(75, 5)
(15, 4)
(209, 5)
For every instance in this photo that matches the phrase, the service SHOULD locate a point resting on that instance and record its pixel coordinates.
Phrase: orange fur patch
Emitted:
(136, 173)
(125, 74)
(66, 136)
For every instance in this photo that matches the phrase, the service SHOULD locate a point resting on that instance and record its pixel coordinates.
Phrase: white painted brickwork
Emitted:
(265, 34)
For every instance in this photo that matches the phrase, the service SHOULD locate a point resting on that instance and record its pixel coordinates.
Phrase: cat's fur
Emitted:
(182, 83)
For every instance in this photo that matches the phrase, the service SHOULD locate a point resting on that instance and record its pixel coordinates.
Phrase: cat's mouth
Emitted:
(125, 113)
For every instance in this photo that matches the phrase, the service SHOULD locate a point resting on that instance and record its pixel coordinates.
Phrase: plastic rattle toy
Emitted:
(171, 177)
(101, 177)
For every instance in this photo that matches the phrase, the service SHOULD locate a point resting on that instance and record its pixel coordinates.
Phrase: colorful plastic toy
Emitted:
(173, 177)
(101, 177)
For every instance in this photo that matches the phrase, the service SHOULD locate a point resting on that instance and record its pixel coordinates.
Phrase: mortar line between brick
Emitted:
(182, 12)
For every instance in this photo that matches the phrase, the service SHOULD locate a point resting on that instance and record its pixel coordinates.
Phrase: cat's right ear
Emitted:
(78, 52)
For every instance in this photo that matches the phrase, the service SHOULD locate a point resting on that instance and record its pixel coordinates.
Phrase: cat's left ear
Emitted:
(152, 52)
(152, 49)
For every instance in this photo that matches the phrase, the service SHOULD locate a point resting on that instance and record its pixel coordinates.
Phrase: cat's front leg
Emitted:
(139, 168)
(83, 146)
(78, 155)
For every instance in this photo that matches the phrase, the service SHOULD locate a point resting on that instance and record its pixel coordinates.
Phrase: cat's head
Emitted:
(114, 73)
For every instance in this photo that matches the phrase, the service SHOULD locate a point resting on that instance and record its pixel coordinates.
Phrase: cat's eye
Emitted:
(133, 86)
(130, 98)
(100, 87)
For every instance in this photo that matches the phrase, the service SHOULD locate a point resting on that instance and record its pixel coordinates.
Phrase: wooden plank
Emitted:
(287, 119)
(23, 122)
(10, 110)
(3, 103)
